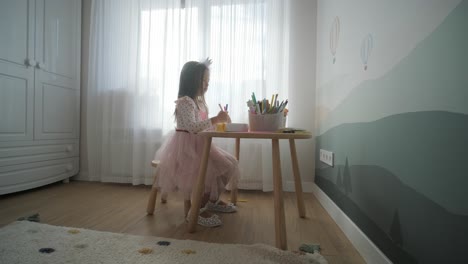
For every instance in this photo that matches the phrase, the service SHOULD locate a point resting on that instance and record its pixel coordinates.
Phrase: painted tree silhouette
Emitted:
(395, 229)
(339, 179)
(347, 178)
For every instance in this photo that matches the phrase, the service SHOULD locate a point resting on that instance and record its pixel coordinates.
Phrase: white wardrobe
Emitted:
(39, 92)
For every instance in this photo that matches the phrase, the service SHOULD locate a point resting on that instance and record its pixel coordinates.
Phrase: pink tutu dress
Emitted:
(180, 155)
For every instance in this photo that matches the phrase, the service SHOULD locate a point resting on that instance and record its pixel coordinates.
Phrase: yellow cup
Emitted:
(220, 127)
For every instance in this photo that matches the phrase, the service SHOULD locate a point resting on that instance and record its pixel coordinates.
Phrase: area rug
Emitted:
(30, 242)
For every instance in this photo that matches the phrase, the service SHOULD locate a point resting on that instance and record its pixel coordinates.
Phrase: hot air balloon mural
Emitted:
(334, 37)
(366, 49)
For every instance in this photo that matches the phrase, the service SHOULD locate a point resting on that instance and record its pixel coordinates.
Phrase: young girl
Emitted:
(180, 154)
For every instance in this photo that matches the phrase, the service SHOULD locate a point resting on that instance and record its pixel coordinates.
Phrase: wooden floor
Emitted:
(122, 208)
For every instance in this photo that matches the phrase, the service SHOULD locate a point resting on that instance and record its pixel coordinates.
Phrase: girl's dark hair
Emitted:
(191, 82)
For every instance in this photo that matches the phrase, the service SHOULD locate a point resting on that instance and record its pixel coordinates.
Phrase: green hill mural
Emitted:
(426, 150)
(432, 77)
(373, 162)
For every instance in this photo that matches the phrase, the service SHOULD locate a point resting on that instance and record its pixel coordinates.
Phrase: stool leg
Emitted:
(152, 201)
(187, 205)
(152, 197)
(164, 198)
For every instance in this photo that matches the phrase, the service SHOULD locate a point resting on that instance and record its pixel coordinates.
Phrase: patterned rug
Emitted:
(31, 242)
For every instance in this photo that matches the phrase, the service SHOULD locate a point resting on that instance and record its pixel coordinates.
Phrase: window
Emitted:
(232, 33)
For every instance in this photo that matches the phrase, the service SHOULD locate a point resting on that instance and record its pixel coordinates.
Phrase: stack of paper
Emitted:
(237, 127)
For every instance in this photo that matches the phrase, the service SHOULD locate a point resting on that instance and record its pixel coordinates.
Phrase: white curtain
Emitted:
(136, 51)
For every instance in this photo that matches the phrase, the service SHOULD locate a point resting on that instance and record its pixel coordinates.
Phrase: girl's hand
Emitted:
(222, 117)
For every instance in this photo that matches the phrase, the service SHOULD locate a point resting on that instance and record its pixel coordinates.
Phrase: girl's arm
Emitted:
(186, 112)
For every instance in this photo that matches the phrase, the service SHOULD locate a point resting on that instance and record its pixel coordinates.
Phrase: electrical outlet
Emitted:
(326, 157)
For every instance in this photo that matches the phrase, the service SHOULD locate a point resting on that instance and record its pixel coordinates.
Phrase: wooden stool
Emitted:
(154, 193)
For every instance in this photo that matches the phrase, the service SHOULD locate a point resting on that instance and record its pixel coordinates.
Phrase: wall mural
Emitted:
(400, 138)
(366, 49)
(334, 37)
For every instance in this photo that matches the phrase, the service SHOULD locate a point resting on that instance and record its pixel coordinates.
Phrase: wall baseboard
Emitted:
(360, 241)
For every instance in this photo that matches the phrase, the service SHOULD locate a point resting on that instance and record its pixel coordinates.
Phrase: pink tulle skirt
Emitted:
(180, 157)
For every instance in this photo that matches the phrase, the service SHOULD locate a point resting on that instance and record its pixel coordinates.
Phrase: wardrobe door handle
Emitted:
(30, 63)
(40, 65)
(69, 148)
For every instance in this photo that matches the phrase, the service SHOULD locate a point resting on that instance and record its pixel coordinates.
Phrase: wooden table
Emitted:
(280, 227)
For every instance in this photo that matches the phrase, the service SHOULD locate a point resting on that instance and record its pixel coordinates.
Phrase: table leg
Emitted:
(198, 190)
(237, 148)
(234, 188)
(297, 179)
(280, 225)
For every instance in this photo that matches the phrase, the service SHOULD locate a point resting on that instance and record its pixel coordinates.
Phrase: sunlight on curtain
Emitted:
(137, 49)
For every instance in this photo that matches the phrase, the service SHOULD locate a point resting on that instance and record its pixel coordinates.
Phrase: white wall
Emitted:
(302, 80)
(85, 21)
